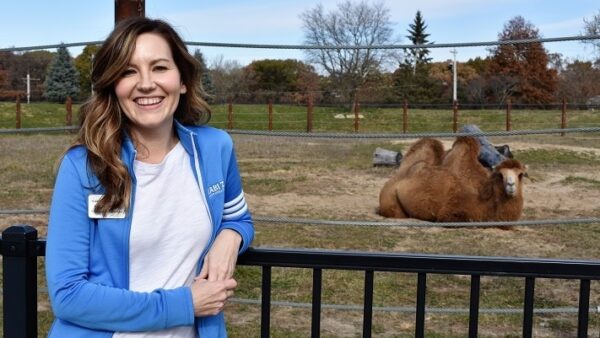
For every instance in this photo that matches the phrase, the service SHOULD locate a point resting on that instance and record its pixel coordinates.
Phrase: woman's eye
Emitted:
(160, 68)
(128, 72)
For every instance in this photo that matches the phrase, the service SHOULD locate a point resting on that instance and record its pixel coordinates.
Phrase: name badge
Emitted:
(93, 200)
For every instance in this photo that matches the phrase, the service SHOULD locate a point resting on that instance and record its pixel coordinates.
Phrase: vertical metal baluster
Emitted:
(265, 319)
(368, 305)
(584, 308)
(528, 307)
(316, 303)
(420, 315)
(474, 305)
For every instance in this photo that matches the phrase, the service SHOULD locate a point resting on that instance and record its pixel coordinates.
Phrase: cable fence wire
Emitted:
(398, 309)
(337, 135)
(334, 47)
(398, 223)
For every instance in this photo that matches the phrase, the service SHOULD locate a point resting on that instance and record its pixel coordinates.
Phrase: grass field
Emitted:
(334, 179)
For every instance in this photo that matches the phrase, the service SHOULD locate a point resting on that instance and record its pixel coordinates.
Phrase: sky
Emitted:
(42, 22)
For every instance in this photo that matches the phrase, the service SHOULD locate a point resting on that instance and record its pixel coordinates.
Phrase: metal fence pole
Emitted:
(19, 263)
(455, 116)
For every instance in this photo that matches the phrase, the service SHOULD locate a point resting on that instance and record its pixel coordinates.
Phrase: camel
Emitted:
(442, 188)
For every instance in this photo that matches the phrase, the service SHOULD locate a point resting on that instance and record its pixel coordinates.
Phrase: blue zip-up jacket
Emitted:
(87, 260)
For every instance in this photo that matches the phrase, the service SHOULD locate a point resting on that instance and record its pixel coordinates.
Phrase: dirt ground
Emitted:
(354, 195)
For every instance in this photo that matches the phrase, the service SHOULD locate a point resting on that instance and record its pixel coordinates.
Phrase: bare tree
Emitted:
(228, 79)
(353, 23)
(592, 27)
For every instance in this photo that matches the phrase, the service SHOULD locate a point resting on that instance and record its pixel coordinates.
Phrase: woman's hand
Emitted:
(209, 297)
(219, 263)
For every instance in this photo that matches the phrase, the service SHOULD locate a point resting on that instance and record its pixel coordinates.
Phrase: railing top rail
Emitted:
(428, 263)
(411, 262)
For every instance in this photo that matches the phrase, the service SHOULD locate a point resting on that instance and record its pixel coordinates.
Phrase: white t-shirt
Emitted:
(169, 230)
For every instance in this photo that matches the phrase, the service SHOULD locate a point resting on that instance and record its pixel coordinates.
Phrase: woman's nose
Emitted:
(146, 81)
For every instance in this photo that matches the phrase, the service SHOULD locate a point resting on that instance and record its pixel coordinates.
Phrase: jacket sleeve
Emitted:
(73, 296)
(236, 215)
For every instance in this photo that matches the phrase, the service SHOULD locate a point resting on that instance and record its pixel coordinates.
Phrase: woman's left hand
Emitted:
(219, 263)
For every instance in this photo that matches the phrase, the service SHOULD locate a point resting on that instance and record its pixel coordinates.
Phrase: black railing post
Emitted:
(19, 263)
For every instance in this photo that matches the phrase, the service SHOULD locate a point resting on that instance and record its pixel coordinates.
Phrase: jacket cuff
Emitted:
(179, 307)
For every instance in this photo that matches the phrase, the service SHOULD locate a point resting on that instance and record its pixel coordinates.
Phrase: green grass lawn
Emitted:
(327, 119)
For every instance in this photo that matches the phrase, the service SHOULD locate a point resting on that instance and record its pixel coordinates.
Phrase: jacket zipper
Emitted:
(201, 185)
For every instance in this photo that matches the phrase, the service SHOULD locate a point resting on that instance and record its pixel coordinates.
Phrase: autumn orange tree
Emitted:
(520, 71)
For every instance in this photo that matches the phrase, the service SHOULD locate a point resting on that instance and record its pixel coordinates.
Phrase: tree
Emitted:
(63, 79)
(578, 82)
(592, 27)
(17, 66)
(83, 64)
(353, 23)
(521, 70)
(205, 77)
(281, 79)
(228, 79)
(417, 56)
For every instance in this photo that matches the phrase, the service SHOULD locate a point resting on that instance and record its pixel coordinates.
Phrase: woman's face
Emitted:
(149, 89)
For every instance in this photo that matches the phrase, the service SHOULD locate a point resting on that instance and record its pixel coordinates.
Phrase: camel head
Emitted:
(511, 172)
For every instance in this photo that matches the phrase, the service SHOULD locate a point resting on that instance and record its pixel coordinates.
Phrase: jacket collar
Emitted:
(184, 134)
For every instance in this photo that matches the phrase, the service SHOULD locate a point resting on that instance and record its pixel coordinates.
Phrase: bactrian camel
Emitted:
(452, 187)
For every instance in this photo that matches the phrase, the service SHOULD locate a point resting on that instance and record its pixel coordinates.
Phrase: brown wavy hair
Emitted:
(103, 125)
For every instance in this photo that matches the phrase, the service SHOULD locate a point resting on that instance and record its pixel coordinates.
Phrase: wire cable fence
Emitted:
(307, 47)
(395, 309)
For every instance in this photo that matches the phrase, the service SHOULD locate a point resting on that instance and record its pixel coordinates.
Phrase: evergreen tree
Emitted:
(63, 79)
(205, 78)
(412, 80)
(417, 56)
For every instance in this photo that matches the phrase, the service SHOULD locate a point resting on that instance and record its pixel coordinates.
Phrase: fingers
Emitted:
(210, 297)
(203, 271)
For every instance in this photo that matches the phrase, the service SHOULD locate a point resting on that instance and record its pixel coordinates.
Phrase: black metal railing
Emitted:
(20, 248)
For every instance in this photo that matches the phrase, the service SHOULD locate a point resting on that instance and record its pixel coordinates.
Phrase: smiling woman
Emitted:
(148, 93)
(148, 214)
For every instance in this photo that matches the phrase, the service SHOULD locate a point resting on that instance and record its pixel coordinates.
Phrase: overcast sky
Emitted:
(42, 22)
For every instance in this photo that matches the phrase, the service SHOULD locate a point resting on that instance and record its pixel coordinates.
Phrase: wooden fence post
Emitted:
(563, 117)
(455, 116)
(309, 114)
(18, 113)
(356, 113)
(230, 115)
(270, 115)
(405, 116)
(69, 108)
(508, 115)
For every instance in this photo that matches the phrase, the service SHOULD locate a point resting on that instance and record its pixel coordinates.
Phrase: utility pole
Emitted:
(129, 8)
(454, 99)
(28, 79)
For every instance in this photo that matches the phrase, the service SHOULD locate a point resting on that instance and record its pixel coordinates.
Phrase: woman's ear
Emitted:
(183, 89)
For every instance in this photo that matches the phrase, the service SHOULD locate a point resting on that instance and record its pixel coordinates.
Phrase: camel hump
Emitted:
(468, 141)
(427, 143)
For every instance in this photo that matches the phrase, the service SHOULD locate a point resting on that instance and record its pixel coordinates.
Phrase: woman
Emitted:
(148, 213)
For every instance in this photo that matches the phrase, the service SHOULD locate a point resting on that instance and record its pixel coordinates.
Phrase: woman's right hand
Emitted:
(210, 297)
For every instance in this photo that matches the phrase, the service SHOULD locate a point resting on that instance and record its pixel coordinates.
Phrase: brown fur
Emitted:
(451, 191)
(426, 150)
